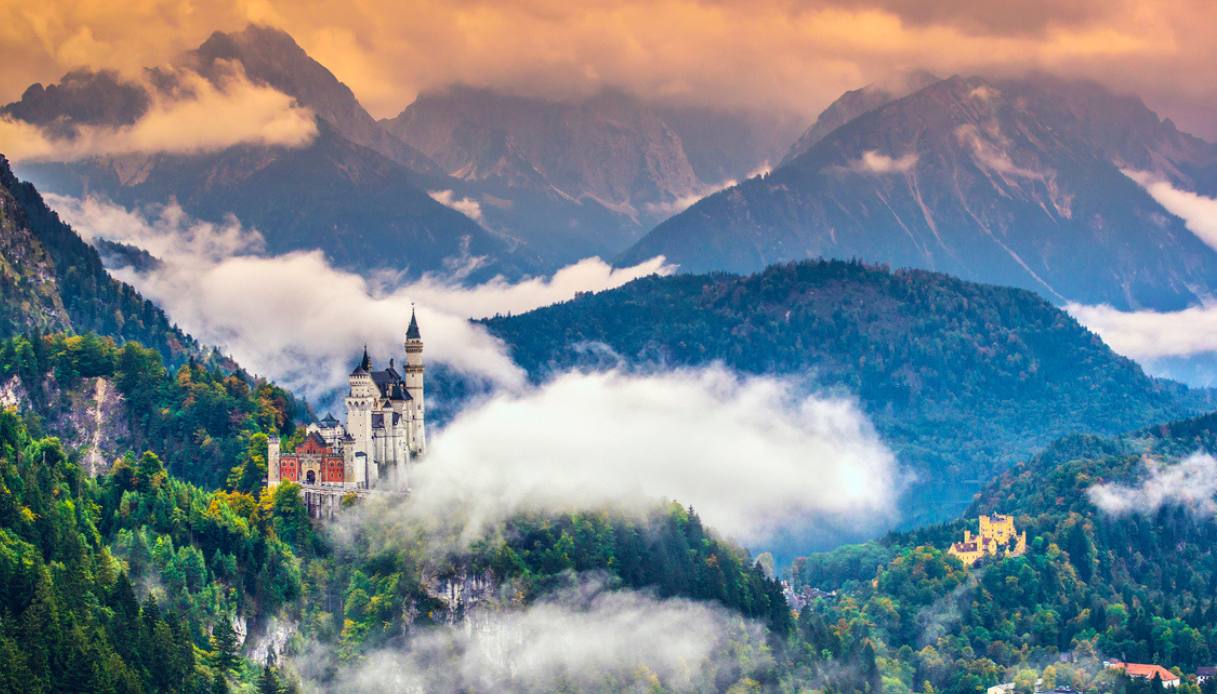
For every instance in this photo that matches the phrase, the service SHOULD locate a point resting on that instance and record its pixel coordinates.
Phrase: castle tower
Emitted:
(414, 386)
(272, 461)
(360, 401)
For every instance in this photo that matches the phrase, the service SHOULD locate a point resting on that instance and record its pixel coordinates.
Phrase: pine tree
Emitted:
(268, 682)
(224, 644)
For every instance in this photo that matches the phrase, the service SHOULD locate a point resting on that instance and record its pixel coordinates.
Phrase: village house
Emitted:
(1146, 671)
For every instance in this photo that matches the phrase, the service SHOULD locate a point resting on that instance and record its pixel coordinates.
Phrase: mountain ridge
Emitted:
(994, 181)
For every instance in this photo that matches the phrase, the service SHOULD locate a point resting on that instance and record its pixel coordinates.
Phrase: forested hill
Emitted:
(50, 279)
(1135, 581)
(961, 378)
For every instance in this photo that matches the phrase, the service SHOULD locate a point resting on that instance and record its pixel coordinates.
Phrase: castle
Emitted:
(996, 533)
(383, 433)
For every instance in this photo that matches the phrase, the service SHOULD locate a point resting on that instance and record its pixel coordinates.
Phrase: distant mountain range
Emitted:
(961, 379)
(584, 175)
(537, 183)
(355, 192)
(1013, 181)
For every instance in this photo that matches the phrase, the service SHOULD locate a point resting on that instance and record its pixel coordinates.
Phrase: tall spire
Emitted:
(365, 363)
(412, 331)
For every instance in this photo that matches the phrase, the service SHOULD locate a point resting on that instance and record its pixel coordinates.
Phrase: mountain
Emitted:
(50, 280)
(1133, 583)
(69, 356)
(354, 192)
(1014, 182)
(585, 175)
(961, 379)
(854, 103)
(272, 57)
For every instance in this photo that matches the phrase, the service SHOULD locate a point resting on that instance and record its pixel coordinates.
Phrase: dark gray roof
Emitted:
(329, 422)
(412, 331)
(365, 364)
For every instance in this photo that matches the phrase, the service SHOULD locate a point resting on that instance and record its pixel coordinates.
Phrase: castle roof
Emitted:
(1146, 671)
(329, 422)
(412, 331)
(365, 364)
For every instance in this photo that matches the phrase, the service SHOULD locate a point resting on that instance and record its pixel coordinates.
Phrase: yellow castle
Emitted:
(996, 533)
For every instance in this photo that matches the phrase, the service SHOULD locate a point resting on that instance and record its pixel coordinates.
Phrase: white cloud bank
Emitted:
(751, 455)
(606, 641)
(1148, 335)
(1191, 483)
(199, 116)
(1198, 212)
(300, 321)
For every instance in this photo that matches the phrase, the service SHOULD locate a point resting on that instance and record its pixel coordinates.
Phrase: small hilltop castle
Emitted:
(383, 434)
(997, 532)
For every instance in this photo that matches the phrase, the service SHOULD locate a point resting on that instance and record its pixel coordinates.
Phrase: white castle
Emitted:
(383, 434)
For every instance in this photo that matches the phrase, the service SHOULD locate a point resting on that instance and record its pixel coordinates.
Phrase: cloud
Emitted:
(300, 321)
(752, 455)
(1147, 335)
(763, 54)
(198, 116)
(1199, 213)
(584, 639)
(466, 206)
(684, 202)
(1191, 484)
(874, 162)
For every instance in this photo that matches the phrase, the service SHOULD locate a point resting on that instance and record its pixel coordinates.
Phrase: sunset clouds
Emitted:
(198, 116)
(777, 54)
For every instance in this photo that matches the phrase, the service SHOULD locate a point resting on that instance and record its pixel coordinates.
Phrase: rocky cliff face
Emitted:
(1015, 182)
(579, 176)
(610, 148)
(272, 57)
(854, 103)
(92, 421)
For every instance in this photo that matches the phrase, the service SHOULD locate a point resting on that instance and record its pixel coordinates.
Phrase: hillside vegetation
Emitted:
(960, 378)
(1140, 585)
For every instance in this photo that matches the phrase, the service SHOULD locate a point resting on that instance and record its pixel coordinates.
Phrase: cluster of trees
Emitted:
(74, 552)
(1139, 586)
(201, 418)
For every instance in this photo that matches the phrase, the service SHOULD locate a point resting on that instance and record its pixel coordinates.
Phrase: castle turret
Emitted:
(360, 401)
(272, 461)
(414, 385)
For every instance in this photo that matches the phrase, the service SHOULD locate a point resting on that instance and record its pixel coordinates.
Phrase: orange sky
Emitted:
(789, 55)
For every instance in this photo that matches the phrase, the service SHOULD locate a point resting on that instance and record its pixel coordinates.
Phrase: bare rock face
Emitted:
(582, 175)
(272, 57)
(854, 103)
(99, 419)
(462, 593)
(1015, 182)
